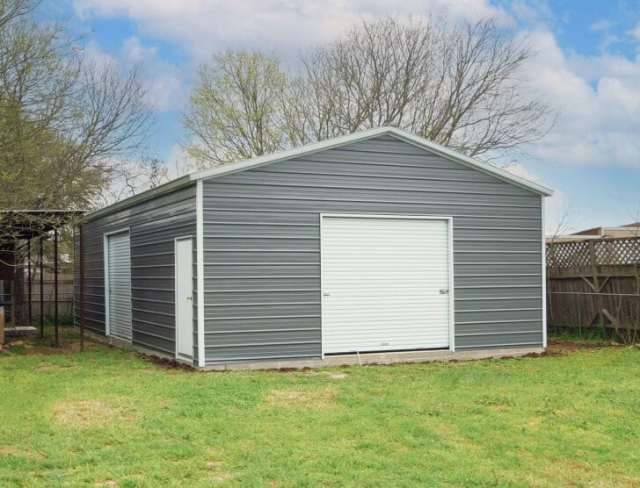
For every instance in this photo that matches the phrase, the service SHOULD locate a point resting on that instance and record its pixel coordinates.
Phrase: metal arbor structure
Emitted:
(18, 231)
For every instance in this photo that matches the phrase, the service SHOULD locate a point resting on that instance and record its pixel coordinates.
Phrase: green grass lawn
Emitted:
(105, 417)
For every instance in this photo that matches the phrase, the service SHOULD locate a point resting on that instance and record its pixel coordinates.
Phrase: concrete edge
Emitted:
(385, 358)
(364, 359)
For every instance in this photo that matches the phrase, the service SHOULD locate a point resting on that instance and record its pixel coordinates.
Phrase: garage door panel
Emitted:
(382, 281)
(119, 285)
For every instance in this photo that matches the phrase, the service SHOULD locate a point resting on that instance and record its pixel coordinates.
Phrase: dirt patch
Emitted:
(15, 451)
(166, 363)
(217, 467)
(38, 348)
(499, 408)
(48, 367)
(84, 414)
(336, 376)
(107, 484)
(534, 423)
(308, 399)
(561, 348)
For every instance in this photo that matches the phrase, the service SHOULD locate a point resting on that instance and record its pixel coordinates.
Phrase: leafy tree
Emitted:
(62, 118)
(235, 109)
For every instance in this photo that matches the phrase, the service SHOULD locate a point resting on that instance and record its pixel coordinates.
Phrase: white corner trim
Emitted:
(369, 134)
(188, 237)
(544, 273)
(105, 263)
(452, 290)
(200, 269)
(322, 283)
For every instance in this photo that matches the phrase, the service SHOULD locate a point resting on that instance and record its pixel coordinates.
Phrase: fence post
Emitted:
(82, 306)
(41, 259)
(594, 264)
(1, 327)
(55, 286)
(596, 280)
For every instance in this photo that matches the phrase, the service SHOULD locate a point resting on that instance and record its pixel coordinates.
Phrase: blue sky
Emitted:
(587, 67)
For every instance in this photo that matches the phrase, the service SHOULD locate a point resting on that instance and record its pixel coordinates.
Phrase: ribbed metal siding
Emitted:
(262, 248)
(119, 285)
(153, 225)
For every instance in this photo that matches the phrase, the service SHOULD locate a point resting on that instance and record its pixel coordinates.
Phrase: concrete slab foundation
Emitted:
(380, 358)
(362, 359)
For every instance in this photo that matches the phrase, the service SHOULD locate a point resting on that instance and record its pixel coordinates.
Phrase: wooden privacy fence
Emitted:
(595, 284)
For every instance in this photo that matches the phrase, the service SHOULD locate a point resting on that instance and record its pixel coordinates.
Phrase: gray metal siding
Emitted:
(153, 226)
(262, 246)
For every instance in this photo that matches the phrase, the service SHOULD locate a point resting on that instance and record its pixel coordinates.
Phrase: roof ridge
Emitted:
(364, 135)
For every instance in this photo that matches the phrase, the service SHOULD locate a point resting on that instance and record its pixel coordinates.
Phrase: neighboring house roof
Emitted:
(628, 230)
(225, 169)
(620, 231)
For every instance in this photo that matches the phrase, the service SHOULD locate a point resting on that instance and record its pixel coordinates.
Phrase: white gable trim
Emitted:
(225, 169)
(499, 173)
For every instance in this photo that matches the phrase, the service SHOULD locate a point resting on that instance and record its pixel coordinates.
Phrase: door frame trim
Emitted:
(447, 219)
(202, 356)
(175, 293)
(105, 256)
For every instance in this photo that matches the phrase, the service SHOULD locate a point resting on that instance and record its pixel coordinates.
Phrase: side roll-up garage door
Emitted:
(385, 284)
(118, 282)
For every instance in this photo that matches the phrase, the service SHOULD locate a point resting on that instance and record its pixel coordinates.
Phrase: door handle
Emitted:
(190, 298)
(444, 291)
(326, 294)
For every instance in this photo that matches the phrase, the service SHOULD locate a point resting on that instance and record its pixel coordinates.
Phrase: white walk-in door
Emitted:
(118, 282)
(184, 299)
(385, 284)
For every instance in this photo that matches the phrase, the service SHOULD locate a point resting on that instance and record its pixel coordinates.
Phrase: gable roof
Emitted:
(370, 134)
(336, 142)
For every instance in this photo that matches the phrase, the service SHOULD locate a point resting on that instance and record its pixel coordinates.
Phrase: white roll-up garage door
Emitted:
(118, 282)
(385, 284)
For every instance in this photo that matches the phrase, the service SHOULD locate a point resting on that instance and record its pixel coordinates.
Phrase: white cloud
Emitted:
(97, 57)
(601, 25)
(597, 98)
(164, 81)
(179, 162)
(635, 32)
(557, 212)
(535, 12)
(598, 105)
(135, 52)
(203, 26)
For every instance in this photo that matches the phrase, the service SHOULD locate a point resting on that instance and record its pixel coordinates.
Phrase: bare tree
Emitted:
(458, 85)
(13, 9)
(235, 110)
(129, 177)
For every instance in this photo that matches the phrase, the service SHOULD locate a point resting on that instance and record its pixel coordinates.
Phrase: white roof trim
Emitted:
(140, 197)
(369, 134)
(235, 167)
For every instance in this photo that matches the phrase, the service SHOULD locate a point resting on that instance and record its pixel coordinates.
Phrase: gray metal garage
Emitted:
(376, 241)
